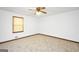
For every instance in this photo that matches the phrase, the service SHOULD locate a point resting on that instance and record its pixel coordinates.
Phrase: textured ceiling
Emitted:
(30, 12)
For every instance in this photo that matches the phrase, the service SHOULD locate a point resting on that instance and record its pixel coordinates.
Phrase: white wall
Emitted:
(6, 26)
(64, 25)
(38, 21)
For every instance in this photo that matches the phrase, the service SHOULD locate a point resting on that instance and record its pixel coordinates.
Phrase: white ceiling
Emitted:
(50, 10)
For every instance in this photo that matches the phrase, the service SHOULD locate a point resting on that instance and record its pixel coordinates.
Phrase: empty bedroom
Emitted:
(39, 29)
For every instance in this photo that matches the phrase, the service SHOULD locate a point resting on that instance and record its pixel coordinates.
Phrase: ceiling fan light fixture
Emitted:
(38, 13)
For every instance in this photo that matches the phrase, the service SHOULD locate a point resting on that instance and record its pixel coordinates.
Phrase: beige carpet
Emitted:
(40, 43)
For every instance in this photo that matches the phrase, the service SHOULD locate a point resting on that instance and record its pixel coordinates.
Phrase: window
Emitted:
(18, 24)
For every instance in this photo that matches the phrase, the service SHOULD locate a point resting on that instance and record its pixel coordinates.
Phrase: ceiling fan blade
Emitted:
(43, 8)
(38, 9)
(43, 12)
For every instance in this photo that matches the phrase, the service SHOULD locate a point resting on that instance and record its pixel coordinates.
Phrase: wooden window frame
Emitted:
(14, 25)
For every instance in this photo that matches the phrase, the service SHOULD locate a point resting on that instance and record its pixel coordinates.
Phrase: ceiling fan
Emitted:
(39, 10)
